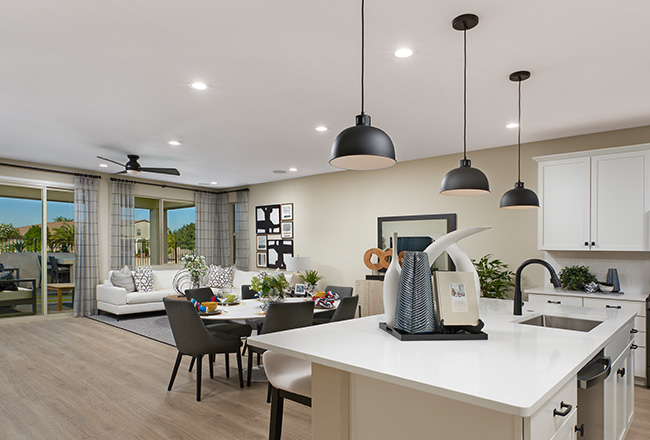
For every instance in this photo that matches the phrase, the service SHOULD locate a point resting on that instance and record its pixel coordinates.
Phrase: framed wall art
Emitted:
(456, 300)
(287, 230)
(286, 211)
(267, 219)
(277, 250)
(261, 259)
(261, 242)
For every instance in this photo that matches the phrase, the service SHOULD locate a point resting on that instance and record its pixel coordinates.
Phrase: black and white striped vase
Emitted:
(415, 306)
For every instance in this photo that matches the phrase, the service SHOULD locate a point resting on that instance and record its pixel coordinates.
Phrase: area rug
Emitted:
(150, 325)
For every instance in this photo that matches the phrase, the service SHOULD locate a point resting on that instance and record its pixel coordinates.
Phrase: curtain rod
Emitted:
(115, 179)
(50, 171)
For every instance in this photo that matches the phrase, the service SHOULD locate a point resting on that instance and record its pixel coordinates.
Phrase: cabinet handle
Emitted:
(554, 302)
(567, 409)
(593, 243)
(621, 372)
(633, 331)
(581, 430)
(613, 307)
(586, 243)
(634, 347)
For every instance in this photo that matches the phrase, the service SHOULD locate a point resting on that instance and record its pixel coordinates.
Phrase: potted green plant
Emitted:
(195, 265)
(576, 277)
(270, 289)
(494, 277)
(311, 278)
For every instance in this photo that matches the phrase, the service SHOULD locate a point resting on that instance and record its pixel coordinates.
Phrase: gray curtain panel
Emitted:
(242, 253)
(212, 227)
(122, 219)
(86, 260)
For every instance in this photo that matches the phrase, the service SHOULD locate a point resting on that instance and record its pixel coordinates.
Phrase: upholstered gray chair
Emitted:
(203, 294)
(289, 378)
(346, 309)
(342, 292)
(279, 317)
(192, 338)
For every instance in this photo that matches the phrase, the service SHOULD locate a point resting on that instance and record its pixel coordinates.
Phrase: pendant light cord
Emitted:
(519, 137)
(363, 51)
(465, 94)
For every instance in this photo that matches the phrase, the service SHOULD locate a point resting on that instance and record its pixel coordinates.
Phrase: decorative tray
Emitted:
(460, 336)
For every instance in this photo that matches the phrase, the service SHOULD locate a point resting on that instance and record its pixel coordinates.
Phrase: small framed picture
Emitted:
(261, 242)
(261, 259)
(287, 230)
(301, 289)
(456, 298)
(286, 212)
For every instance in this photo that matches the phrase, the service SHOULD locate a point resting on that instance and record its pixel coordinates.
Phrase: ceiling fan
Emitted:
(133, 167)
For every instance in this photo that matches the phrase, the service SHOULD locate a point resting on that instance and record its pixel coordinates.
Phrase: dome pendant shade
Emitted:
(465, 181)
(362, 147)
(519, 198)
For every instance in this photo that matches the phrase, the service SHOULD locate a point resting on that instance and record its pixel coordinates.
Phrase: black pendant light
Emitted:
(465, 180)
(519, 197)
(362, 147)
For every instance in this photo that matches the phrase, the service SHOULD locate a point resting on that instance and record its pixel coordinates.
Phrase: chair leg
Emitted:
(239, 370)
(191, 365)
(268, 393)
(259, 359)
(198, 378)
(211, 362)
(176, 365)
(275, 425)
(227, 365)
(245, 346)
(250, 367)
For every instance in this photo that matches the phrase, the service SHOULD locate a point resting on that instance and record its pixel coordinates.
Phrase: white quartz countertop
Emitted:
(550, 290)
(515, 371)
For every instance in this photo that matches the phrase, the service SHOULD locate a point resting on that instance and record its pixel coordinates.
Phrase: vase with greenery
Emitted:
(270, 289)
(195, 265)
(576, 277)
(311, 278)
(494, 277)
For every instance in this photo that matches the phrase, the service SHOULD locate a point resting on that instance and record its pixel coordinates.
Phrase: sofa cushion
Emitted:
(146, 297)
(163, 279)
(221, 276)
(243, 277)
(143, 278)
(123, 278)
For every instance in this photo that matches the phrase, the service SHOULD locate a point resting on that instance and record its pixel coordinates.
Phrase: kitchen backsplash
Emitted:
(633, 267)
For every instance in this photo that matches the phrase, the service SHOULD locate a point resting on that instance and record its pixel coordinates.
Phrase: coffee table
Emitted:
(60, 288)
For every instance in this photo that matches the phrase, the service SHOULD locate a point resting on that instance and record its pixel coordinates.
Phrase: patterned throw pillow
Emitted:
(143, 278)
(221, 276)
(123, 278)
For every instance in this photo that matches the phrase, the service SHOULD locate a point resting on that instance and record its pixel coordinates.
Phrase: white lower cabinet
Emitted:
(568, 430)
(551, 418)
(555, 299)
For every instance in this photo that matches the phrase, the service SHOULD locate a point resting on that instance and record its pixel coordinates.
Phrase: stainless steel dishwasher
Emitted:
(591, 395)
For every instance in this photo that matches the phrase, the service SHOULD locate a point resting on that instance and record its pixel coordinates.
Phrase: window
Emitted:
(181, 232)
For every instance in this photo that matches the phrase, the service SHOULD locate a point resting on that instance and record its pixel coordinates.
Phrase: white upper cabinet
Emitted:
(597, 200)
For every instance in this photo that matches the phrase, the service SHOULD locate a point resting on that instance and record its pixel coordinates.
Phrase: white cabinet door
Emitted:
(564, 193)
(629, 389)
(619, 201)
(621, 374)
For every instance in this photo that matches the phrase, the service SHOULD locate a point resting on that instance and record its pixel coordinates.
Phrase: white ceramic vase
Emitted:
(391, 285)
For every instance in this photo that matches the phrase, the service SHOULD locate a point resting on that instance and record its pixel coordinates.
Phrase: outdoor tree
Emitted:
(63, 238)
(183, 237)
(33, 238)
(8, 232)
(62, 219)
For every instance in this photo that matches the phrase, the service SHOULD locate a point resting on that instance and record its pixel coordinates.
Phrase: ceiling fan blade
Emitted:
(121, 172)
(172, 171)
(110, 160)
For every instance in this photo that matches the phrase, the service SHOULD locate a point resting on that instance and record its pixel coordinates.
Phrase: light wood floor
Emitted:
(79, 379)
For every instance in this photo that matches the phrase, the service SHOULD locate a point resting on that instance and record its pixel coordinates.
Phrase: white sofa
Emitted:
(117, 301)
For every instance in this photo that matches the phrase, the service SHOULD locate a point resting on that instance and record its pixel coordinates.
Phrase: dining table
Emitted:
(248, 309)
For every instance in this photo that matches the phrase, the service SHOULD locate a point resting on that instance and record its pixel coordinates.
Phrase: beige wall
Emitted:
(335, 215)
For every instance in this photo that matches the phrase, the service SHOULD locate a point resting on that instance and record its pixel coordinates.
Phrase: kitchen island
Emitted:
(368, 385)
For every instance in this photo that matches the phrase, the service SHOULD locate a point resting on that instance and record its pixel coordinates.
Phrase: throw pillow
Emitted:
(143, 279)
(6, 281)
(123, 278)
(222, 277)
(212, 275)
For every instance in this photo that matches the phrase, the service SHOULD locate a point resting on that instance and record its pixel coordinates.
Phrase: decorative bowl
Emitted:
(607, 288)
(210, 305)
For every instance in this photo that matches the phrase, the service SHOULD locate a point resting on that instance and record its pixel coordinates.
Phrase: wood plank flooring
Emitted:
(67, 378)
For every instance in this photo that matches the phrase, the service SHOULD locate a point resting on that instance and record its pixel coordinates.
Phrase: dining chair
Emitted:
(58, 272)
(280, 317)
(192, 338)
(203, 294)
(289, 378)
(342, 292)
(345, 310)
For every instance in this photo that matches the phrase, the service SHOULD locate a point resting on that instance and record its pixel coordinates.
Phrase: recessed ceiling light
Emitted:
(512, 125)
(103, 165)
(321, 128)
(279, 172)
(213, 183)
(199, 86)
(293, 169)
(175, 143)
(404, 52)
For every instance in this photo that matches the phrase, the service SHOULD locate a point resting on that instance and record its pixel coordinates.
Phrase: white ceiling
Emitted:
(82, 78)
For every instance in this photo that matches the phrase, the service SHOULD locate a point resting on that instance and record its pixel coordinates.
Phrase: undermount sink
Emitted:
(561, 322)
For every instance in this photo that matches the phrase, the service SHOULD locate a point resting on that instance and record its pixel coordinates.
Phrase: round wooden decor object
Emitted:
(383, 258)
